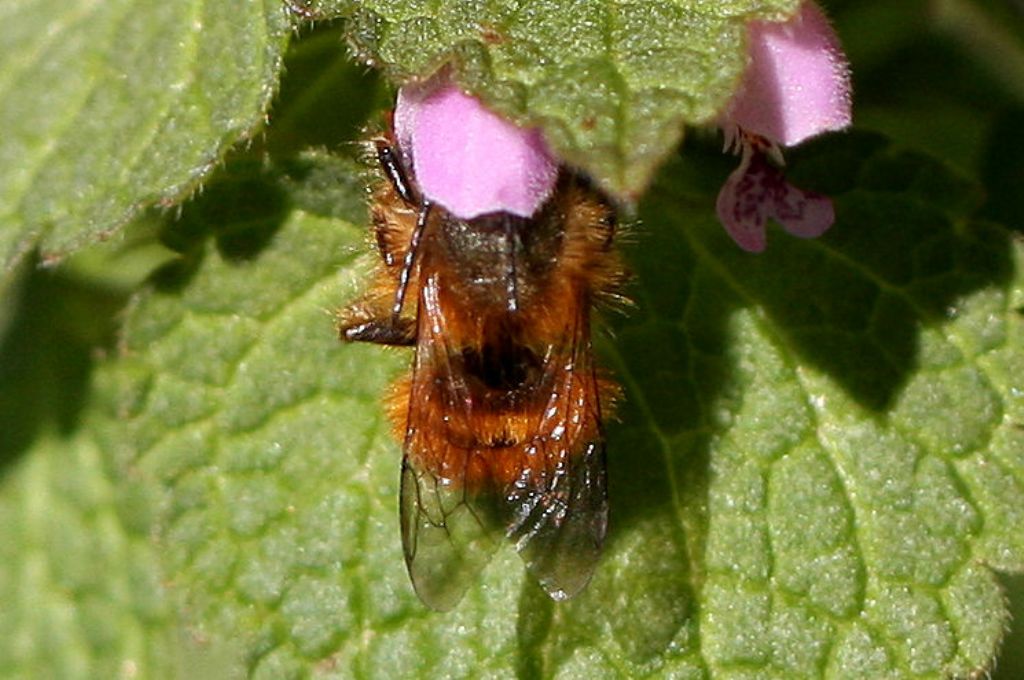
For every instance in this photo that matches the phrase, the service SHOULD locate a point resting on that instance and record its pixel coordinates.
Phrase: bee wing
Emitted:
(559, 510)
(448, 534)
(555, 507)
(446, 542)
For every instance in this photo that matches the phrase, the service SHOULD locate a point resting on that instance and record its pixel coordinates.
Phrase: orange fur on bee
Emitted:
(493, 447)
(502, 433)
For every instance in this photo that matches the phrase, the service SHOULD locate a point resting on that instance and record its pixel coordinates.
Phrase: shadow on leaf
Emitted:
(1003, 169)
(47, 352)
(239, 210)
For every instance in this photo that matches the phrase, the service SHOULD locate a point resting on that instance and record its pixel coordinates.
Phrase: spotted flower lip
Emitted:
(796, 86)
(467, 158)
(757, 190)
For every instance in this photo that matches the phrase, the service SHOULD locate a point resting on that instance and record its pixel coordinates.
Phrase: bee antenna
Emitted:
(394, 171)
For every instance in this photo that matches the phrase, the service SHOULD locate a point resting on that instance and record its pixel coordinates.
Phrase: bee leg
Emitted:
(399, 332)
(366, 321)
(369, 319)
(410, 261)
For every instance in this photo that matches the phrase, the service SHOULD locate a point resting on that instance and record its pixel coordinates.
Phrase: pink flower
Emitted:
(468, 159)
(796, 85)
(757, 190)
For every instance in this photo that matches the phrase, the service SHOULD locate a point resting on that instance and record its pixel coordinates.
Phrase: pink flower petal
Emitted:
(742, 206)
(797, 84)
(758, 191)
(468, 159)
(802, 213)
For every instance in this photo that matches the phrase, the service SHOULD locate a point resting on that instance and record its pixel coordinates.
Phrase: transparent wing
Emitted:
(447, 533)
(446, 543)
(558, 511)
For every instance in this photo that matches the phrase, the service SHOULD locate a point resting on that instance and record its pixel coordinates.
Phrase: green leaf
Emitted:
(812, 476)
(611, 83)
(816, 467)
(247, 520)
(79, 576)
(112, 106)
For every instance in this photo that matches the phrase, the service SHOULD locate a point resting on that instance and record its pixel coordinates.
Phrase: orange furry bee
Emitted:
(501, 417)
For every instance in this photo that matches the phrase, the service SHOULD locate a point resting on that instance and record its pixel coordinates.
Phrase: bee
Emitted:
(501, 417)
